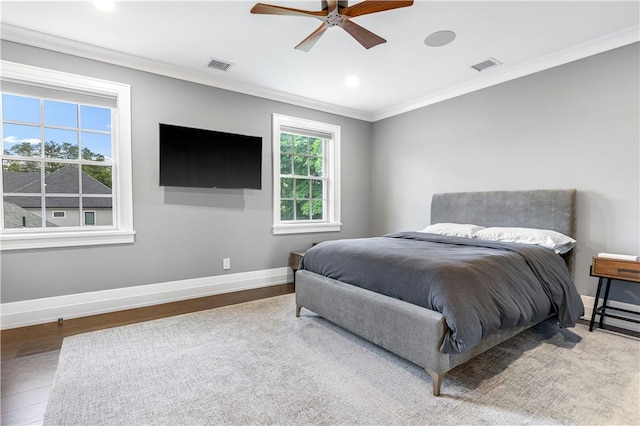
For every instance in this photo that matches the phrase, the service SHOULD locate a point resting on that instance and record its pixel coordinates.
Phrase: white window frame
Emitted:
(332, 168)
(122, 231)
(54, 212)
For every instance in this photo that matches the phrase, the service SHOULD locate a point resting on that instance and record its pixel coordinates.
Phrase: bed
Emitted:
(420, 332)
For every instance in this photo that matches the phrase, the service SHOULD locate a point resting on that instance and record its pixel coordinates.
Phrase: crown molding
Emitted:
(503, 74)
(492, 77)
(72, 47)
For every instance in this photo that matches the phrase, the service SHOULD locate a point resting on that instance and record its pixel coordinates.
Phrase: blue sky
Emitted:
(94, 130)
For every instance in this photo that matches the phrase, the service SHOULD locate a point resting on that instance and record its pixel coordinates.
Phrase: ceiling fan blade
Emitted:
(373, 6)
(365, 37)
(267, 9)
(332, 4)
(308, 42)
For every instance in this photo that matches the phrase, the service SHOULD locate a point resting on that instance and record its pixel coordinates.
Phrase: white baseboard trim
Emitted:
(39, 311)
(49, 309)
(587, 301)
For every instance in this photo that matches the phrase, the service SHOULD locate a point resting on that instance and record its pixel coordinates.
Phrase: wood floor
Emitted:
(30, 354)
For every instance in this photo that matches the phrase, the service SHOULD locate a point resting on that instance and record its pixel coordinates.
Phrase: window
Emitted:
(66, 159)
(90, 218)
(306, 178)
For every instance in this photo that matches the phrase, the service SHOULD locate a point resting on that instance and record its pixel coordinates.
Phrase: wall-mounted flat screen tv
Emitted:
(209, 159)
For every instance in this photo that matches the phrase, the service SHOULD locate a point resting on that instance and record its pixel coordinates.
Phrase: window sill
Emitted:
(306, 228)
(64, 239)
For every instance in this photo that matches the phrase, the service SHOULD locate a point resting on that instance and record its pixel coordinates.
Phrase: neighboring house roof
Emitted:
(62, 181)
(17, 217)
(20, 181)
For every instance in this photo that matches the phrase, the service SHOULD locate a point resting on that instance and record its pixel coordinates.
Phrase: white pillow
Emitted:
(553, 240)
(453, 229)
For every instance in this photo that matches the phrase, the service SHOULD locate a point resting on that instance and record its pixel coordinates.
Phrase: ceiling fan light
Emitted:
(440, 38)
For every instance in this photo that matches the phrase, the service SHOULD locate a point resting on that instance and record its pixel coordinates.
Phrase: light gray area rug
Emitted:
(256, 363)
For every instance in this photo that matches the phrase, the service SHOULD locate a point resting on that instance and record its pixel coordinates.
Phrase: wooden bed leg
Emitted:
(298, 309)
(437, 381)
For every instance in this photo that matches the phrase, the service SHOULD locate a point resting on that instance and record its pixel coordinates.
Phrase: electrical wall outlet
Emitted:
(226, 263)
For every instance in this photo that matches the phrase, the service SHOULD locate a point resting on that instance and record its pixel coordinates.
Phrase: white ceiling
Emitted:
(179, 39)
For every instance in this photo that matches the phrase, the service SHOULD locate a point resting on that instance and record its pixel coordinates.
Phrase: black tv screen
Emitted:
(209, 159)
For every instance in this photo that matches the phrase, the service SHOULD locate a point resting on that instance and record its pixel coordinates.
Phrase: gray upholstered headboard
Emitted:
(553, 209)
(543, 209)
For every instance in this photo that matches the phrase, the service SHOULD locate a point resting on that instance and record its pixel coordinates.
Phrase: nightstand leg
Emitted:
(604, 303)
(595, 304)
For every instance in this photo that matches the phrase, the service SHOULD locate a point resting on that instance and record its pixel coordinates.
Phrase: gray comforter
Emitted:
(479, 286)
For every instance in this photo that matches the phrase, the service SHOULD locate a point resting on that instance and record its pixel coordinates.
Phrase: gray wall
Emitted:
(573, 126)
(184, 233)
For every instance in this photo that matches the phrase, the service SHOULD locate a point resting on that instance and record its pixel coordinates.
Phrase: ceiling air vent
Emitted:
(218, 64)
(486, 64)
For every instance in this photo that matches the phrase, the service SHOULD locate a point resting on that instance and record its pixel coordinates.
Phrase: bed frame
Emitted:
(416, 333)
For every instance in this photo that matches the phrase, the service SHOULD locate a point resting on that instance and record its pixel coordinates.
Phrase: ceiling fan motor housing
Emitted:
(334, 19)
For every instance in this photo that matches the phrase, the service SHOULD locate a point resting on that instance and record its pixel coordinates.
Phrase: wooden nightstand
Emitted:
(294, 262)
(612, 269)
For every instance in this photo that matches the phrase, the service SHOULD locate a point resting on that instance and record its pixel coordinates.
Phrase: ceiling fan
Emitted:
(337, 13)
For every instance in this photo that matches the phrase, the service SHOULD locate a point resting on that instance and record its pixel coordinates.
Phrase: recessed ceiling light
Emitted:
(104, 5)
(352, 81)
(440, 38)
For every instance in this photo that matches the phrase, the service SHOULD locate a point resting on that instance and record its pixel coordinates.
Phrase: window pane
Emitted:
(101, 208)
(316, 147)
(21, 140)
(301, 166)
(97, 179)
(302, 210)
(286, 210)
(61, 178)
(286, 188)
(22, 212)
(286, 143)
(315, 166)
(95, 118)
(21, 177)
(301, 145)
(316, 189)
(96, 146)
(60, 114)
(71, 207)
(285, 164)
(61, 144)
(20, 108)
(317, 209)
(302, 189)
